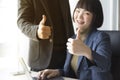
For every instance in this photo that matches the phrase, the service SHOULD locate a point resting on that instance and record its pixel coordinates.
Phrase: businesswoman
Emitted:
(89, 51)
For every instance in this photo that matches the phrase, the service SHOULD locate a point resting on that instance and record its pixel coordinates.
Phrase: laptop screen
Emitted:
(26, 70)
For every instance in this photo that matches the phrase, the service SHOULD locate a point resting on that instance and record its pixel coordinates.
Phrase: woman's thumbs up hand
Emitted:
(78, 47)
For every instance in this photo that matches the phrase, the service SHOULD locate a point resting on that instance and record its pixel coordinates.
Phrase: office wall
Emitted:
(8, 28)
(111, 14)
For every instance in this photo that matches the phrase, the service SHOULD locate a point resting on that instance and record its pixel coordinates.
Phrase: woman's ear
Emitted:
(93, 23)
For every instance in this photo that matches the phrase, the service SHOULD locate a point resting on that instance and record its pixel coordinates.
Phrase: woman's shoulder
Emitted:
(99, 34)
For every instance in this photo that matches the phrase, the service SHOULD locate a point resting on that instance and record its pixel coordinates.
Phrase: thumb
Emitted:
(43, 20)
(78, 36)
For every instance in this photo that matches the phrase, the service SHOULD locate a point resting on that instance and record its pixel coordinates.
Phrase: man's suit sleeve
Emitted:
(26, 19)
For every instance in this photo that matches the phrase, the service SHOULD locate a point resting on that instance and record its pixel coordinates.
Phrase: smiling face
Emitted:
(83, 19)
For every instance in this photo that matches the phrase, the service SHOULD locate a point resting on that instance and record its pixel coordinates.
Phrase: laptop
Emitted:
(31, 75)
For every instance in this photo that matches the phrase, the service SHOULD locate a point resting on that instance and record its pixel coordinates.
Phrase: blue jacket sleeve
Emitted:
(101, 52)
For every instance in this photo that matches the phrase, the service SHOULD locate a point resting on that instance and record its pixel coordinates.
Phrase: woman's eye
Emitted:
(77, 10)
(87, 13)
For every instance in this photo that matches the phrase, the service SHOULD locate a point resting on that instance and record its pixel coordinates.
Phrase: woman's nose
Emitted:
(80, 15)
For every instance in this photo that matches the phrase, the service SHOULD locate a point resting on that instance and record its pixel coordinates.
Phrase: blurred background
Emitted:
(14, 44)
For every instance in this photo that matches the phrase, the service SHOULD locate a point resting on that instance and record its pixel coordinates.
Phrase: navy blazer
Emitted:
(99, 42)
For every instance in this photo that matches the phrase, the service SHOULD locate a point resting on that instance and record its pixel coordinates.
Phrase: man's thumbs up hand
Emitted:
(42, 22)
(44, 32)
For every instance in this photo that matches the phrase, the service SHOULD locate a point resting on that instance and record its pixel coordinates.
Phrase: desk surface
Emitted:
(33, 74)
(4, 75)
(9, 66)
(63, 78)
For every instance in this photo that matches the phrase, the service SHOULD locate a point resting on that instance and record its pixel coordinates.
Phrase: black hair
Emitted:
(95, 7)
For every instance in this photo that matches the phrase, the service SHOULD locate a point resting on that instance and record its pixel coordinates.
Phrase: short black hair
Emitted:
(95, 7)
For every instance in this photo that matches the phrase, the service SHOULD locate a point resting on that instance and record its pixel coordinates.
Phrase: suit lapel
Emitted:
(64, 5)
(81, 57)
(79, 61)
(87, 42)
(45, 5)
(63, 8)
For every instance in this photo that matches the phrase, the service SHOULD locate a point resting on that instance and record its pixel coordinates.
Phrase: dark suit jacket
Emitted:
(29, 15)
(99, 42)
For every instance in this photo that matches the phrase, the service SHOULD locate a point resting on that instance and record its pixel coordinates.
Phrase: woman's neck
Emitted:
(84, 35)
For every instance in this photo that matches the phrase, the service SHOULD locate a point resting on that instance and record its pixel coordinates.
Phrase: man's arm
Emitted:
(26, 18)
